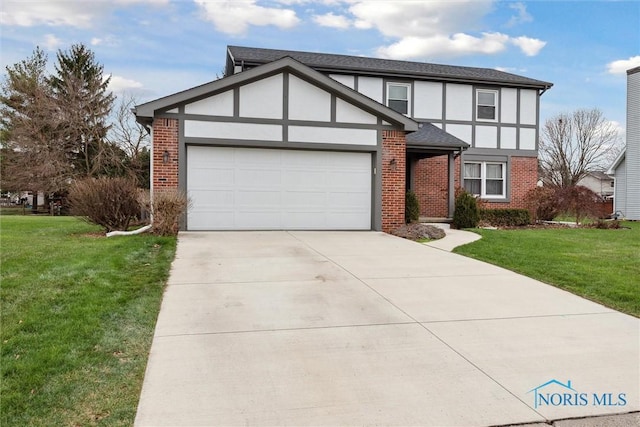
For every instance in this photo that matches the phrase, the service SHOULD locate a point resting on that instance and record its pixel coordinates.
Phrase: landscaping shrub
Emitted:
(607, 225)
(466, 213)
(506, 217)
(542, 203)
(411, 207)
(167, 208)
(579, 201)
(111, 203)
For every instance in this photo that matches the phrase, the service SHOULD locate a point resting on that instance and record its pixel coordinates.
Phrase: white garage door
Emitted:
(263, 189)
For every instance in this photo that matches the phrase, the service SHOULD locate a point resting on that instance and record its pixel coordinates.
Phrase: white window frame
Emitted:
(408, 86)
(483, 179)
(495, 106)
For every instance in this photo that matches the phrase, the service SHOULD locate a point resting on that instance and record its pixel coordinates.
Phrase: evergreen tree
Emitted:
(29, 126)
(84, 102)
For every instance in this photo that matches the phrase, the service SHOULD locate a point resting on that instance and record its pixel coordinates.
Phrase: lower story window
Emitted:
(485, 179)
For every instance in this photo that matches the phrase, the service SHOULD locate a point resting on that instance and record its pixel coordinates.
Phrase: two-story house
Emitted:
(298, 140)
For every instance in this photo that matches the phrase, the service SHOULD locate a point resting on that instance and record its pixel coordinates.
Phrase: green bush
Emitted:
(411, 207)
(506, 217)
(466, 213)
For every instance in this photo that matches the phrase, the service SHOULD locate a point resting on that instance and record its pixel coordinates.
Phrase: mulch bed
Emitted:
(417, 231)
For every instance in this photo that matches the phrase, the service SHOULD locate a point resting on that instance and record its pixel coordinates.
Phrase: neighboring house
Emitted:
(598, 182)
(297, 140)
(626, 168)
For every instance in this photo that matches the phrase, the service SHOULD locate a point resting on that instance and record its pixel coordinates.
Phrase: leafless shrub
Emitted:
(542, 203)
(579, 201)
(109, 202)
(168, 206)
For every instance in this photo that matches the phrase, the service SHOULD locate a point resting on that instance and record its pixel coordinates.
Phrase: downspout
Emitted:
(150, 225)
(150, 128)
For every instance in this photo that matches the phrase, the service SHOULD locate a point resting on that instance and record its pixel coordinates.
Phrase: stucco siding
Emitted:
(262, 99)
(509, 104)
(308, 102)
(217, 105)
(428, 100)
(528, 107)
(459, 102)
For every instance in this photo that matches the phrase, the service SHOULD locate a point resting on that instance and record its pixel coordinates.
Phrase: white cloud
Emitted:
(442, 45)
(108, 40)
(332, 21)
(122, 84)
(235, 16)
(404, 18)
(522, 17)
(421, 29)
(622, 65)
(73, 13)
(529, 46)
(51, 42)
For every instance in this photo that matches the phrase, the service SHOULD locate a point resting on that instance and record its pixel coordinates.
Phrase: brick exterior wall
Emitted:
(524, 177)
(430, 184)
(165, 138)
(393, 179)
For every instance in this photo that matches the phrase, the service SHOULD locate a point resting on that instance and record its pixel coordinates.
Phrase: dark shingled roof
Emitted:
(431, 136)
(251, 56)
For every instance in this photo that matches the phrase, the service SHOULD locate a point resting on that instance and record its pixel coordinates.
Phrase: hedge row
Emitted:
(506, 217)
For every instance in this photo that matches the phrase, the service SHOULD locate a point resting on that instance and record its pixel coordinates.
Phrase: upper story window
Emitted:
(398, 98)
(484, 179)
(487, 104)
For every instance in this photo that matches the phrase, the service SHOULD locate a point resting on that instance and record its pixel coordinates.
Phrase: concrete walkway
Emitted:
(453, 238)
(362, 328)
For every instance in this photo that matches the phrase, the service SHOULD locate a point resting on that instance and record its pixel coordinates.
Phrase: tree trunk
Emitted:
(34, 202)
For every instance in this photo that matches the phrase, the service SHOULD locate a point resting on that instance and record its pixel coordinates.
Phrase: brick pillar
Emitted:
(165, 139)
(394, 155)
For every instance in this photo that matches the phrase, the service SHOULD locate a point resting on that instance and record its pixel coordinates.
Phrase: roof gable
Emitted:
(325, 62)
(146, 112)
(616, 163)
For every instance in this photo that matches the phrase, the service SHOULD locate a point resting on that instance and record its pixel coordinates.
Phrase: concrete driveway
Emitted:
(363, 328)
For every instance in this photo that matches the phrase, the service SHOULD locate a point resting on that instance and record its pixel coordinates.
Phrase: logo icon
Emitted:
(557, 393)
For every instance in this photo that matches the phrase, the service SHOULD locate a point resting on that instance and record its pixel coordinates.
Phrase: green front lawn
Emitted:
(78, 313)
(601, 265)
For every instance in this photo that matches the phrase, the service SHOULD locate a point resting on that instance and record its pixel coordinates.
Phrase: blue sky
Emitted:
(153, 48)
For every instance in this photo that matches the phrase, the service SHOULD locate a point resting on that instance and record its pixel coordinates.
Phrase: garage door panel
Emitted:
(348, 180)
(200, 220)
(213, 198)
(303, 199)
(266, 158)
(256, 199)
(250, 189)
(258, 220)
(202, 178)
(304, 179)
(257, 177)
(348, 200)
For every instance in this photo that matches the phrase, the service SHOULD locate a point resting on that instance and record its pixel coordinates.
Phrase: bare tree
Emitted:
(131, 137)
(572, 145)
